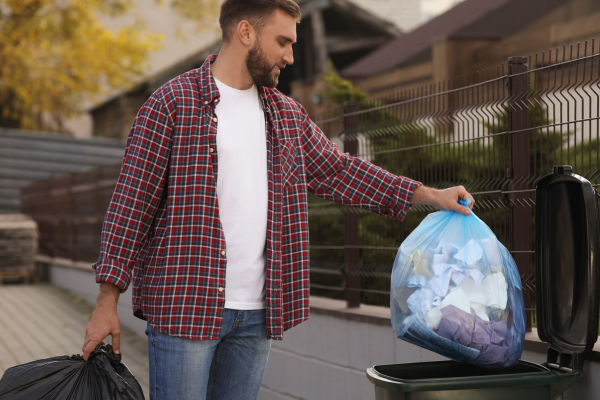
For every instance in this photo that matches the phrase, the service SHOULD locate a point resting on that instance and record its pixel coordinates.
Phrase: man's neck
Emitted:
(230, 69)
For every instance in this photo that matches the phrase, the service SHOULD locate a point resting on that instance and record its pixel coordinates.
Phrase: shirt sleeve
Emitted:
(137, 194)
(341, 178)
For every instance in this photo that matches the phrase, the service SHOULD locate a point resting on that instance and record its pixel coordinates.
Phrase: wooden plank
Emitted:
(16, 276)
(13, 261)
(18, 245)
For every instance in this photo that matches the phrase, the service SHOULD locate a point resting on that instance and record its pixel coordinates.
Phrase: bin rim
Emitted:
(543, 376)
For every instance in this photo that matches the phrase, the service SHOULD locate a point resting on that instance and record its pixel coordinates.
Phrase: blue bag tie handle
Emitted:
(464, 202)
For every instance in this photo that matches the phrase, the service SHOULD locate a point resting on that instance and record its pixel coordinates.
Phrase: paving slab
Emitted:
(41, 321)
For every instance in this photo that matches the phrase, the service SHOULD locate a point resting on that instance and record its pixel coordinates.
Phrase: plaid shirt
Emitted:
(162, 229)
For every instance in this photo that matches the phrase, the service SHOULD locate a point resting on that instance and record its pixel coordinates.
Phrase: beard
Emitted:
(259, 68)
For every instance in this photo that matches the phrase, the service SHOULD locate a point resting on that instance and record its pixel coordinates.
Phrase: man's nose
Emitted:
(288, 57)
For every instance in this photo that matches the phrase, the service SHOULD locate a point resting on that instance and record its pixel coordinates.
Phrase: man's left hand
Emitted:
(446, 199)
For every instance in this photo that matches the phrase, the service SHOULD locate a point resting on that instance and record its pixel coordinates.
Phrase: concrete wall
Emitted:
(79, 279)
(324, 358)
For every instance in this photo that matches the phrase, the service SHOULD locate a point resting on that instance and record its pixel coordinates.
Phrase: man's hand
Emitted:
(446, 199)
(104, 321)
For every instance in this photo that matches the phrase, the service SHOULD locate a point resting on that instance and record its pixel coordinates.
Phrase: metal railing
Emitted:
(496, 132)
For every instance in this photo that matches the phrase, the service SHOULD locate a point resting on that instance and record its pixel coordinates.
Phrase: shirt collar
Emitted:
(210, 91)
(208, 86)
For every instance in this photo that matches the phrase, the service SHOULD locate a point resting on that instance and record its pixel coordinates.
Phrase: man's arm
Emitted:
(341, 178)
(137, 195)
(130, 214)
(104, 321)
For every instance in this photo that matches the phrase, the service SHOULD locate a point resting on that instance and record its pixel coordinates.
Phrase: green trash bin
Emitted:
(567, 293)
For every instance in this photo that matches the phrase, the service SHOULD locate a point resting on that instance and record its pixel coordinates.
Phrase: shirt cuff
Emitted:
(112, 271)
(403, 195)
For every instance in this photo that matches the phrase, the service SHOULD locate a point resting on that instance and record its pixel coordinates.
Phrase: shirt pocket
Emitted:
(289, 168)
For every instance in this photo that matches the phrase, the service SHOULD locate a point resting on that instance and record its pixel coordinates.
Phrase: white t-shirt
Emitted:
(242, 192)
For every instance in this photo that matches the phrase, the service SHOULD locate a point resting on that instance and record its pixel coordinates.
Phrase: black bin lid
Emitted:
(566, 261)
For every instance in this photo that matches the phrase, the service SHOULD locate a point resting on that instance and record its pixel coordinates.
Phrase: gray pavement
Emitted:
(42, 321)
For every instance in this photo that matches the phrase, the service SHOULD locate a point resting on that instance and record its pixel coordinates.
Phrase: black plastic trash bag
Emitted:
(102, 377)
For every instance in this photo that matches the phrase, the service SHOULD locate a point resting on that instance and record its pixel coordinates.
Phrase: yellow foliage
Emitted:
(55, 53)
(204, 12)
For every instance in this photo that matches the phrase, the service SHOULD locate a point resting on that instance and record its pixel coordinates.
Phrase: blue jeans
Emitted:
(231, 367)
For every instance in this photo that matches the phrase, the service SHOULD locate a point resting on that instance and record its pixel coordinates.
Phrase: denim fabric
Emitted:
(228, 368)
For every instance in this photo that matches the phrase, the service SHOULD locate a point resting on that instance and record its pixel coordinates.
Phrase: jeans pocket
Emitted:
(151, 333)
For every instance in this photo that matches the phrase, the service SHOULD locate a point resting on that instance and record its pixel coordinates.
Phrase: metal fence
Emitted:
(496, 132)
(70, 211)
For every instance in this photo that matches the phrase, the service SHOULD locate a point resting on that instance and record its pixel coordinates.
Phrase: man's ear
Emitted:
(246, 33)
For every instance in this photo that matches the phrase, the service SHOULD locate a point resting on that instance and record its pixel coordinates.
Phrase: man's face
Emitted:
(272, 50)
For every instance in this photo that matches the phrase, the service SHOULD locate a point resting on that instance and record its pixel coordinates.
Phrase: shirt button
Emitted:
(216, 100)
(214, 119)
(221, 289)
(223, 253)
(206, 102)
(211, 149)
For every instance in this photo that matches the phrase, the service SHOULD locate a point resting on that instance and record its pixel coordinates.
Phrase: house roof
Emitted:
(365, 15)
(470, 18)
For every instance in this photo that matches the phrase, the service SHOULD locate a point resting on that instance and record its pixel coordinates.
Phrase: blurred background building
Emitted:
(405, 14)
(471, 36)
(351, 29)
(383, 47)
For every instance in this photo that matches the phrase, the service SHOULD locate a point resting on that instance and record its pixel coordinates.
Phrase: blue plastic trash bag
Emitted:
(456, 291)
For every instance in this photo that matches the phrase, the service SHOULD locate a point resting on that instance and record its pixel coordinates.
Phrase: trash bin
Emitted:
(567, 293)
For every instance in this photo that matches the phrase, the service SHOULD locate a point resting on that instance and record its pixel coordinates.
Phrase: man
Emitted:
(209, 217)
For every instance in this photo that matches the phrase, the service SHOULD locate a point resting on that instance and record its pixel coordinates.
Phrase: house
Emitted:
(474, 35)
(338, 30)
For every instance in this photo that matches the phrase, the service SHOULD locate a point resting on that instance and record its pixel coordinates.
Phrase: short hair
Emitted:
(256, 12)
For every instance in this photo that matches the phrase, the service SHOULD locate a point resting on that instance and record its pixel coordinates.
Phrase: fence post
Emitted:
(519, 173)
(351, 253)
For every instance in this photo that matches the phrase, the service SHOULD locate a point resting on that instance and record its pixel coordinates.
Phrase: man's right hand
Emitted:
(104, 321)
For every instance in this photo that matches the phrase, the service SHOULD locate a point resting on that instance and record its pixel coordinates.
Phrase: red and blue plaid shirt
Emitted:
(162, 230)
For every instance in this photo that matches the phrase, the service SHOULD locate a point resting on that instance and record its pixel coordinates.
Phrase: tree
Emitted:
(55, 53)
(340, 90)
